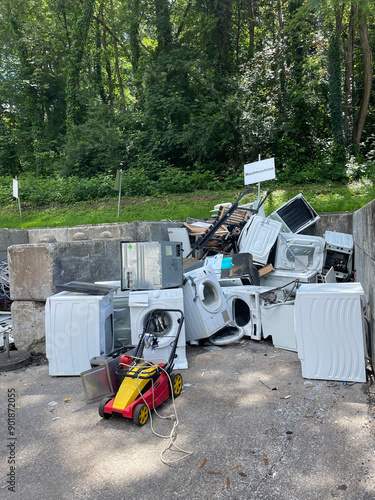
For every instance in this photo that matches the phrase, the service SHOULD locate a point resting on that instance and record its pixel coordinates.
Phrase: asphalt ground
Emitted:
(255, 429)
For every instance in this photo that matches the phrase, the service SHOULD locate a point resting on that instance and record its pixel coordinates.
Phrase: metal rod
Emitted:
(119, 195)
(6, 343)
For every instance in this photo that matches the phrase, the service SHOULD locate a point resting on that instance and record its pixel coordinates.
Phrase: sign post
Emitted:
(118, 182)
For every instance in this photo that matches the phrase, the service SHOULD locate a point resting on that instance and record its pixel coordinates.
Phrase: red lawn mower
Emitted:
(145, 385)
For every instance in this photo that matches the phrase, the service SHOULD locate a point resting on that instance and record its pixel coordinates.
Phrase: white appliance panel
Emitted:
(330, 331)
(259, 236)
(293, 249)
(281, 277)
(278, 321)
(296, 215)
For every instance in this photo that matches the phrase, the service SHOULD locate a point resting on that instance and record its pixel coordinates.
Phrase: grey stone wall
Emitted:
(364, 261)
(341, 222)
(126, 231)
(10, 237)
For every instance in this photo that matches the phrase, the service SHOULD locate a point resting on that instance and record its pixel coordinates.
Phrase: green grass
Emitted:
(323, 198)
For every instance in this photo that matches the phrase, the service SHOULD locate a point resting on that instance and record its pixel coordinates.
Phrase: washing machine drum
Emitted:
(241, 312)
(163, 325)
(209, 296)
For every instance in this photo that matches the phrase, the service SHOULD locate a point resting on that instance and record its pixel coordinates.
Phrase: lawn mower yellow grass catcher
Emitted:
(145, 385)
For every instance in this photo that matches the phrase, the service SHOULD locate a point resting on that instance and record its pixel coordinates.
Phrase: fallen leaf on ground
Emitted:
(202, 463)
(234, 468)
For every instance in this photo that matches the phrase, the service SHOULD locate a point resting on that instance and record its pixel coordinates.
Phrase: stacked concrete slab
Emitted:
(127, 231)
(364, 260)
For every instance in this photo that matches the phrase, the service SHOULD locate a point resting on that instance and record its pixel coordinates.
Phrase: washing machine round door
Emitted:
(209, 296)
(241, 312)
(163, 325)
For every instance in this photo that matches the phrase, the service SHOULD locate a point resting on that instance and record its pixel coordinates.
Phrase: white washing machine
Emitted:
(244, 304)
(206, 308)
(165, 324)
(79, 327)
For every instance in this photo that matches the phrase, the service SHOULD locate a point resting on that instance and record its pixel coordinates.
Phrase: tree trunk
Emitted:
(117, 66)
(348, 82)
(250, 10)
(79, 38)
(107, 60)
(367, 77)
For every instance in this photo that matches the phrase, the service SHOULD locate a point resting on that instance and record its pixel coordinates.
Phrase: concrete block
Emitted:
(10, 237)
(28, 324)
(363, 229)
(35, 270)
(365, 274)
(30, 272)
(126, 231)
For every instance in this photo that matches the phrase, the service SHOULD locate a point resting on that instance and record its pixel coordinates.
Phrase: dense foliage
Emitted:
(183, 93)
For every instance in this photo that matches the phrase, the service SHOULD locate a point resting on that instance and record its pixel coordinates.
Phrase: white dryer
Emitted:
(244, 304)
(165, 324)
(206, 309)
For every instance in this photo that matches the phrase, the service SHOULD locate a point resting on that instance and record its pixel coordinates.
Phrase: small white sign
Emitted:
(259, 171)
(15, 188)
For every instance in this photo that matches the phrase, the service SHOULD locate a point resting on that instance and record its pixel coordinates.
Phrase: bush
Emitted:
(47, 191)
(135, 182)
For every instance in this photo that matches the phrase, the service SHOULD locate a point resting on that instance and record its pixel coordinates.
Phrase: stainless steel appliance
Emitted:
(151, 265)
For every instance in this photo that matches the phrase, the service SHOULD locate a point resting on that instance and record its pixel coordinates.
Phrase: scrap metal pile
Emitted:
(244, 274)
(4, 286)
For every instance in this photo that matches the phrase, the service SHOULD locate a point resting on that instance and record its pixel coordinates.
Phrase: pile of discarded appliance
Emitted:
(242, 275)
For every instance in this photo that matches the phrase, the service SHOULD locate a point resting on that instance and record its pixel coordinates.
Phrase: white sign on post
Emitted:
(259, 171)
(15, 188)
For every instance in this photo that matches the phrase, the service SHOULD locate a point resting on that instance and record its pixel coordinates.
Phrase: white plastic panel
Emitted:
(330, 331)
(339, 241)
(278, 321)
(298, 251)
(281, 277)
(296, 215)
(259, 236)
(180, 234)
